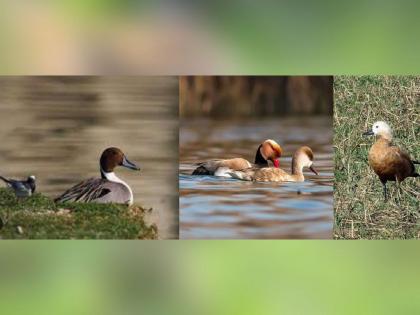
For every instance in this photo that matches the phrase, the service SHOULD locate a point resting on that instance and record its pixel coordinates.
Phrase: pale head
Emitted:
(380, 129)
(271, 151)
(302, 158)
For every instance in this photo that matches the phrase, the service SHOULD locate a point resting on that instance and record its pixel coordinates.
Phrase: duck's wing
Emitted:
(400, 160)
(211, 167)
(85, 191)
(207, 167)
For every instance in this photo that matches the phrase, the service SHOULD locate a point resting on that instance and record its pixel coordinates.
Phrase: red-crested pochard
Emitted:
(269, 150)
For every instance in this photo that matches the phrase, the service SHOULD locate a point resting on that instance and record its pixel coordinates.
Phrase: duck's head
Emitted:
(113, 157)
(270, 150)
(31, 179)
(304, 157)
(381, 129)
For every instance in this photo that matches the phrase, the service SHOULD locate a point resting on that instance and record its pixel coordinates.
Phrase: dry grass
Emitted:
(360, 210)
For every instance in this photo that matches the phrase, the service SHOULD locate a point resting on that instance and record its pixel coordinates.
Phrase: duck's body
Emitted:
(217, 167)
(107, 189)
(303, 157)
(388, 161)
(21, 188)
(268, 150)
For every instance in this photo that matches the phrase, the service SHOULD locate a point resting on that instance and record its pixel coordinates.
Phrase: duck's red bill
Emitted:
(276, 163)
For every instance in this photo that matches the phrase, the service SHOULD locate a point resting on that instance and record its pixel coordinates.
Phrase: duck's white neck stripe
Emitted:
(114, 178)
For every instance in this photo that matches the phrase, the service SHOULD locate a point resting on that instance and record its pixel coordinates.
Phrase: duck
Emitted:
(387, 160)
(106, 189)
(303, 157)
(21, 188)
(269, 150)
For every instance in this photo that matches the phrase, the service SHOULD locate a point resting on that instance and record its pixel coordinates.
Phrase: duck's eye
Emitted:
(377, 127)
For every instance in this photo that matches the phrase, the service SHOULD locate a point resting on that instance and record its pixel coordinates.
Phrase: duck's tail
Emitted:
(5, 179)
(416, 174)
(201, 170)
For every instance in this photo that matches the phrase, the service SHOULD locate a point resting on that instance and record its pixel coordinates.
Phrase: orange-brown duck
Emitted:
(388, 161)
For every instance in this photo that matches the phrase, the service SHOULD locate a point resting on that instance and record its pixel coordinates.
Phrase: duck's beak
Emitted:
(276, 163)
(313, 170)
(368, 133)
(126, 163)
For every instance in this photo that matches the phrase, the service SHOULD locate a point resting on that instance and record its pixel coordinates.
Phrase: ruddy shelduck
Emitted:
(269, 150)
(302, 158)
(388, 161)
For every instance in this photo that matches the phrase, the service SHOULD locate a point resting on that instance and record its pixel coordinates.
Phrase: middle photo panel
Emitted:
(256, 157)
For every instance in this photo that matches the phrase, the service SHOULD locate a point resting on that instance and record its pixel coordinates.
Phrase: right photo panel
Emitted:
(256, 157)
(377, 152)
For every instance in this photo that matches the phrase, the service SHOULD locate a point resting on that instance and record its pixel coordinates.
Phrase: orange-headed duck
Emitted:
(303, 157)
(269, 150)
(388, 161)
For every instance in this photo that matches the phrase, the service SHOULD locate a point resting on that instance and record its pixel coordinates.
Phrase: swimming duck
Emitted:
(108, 188)
(21, 188)
(303, 157)
(269, 150)
(388, 161)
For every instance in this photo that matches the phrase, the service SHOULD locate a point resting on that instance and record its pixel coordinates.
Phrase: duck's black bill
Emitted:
(368, 133)
(126, 163)
(313, 170)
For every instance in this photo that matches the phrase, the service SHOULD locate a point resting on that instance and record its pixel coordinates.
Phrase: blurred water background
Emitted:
(224, 117)
(57, 127)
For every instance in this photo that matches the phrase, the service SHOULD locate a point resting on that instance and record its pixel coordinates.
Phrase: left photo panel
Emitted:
(89, 157)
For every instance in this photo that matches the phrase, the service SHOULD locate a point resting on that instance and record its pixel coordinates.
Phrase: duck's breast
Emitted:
(115, 193)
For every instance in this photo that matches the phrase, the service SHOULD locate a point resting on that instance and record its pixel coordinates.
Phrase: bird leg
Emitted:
(385, 192)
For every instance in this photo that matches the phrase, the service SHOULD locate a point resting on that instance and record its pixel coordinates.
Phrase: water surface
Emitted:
(212, 207)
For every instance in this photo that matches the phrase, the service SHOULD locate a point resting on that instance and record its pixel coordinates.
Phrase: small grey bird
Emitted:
(22, 188)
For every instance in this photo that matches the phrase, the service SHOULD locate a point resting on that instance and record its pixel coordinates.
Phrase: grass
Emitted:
(360, 210)
(38, 217)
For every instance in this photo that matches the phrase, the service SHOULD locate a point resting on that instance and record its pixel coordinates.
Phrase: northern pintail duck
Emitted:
(108, 188)
(388, 161)
(303, 157)
(21, 188)
(269, 150)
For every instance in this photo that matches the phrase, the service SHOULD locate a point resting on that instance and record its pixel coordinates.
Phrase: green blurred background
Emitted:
(186, 37)
(209, 277)
(209, 37)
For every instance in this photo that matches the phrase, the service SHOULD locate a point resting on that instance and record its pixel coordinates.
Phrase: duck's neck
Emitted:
(297, 169)
(259, 159)
(385, 136)
(114, 178)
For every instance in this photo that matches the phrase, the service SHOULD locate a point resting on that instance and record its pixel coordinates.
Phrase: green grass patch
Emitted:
(360, 211)
(38, 217)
